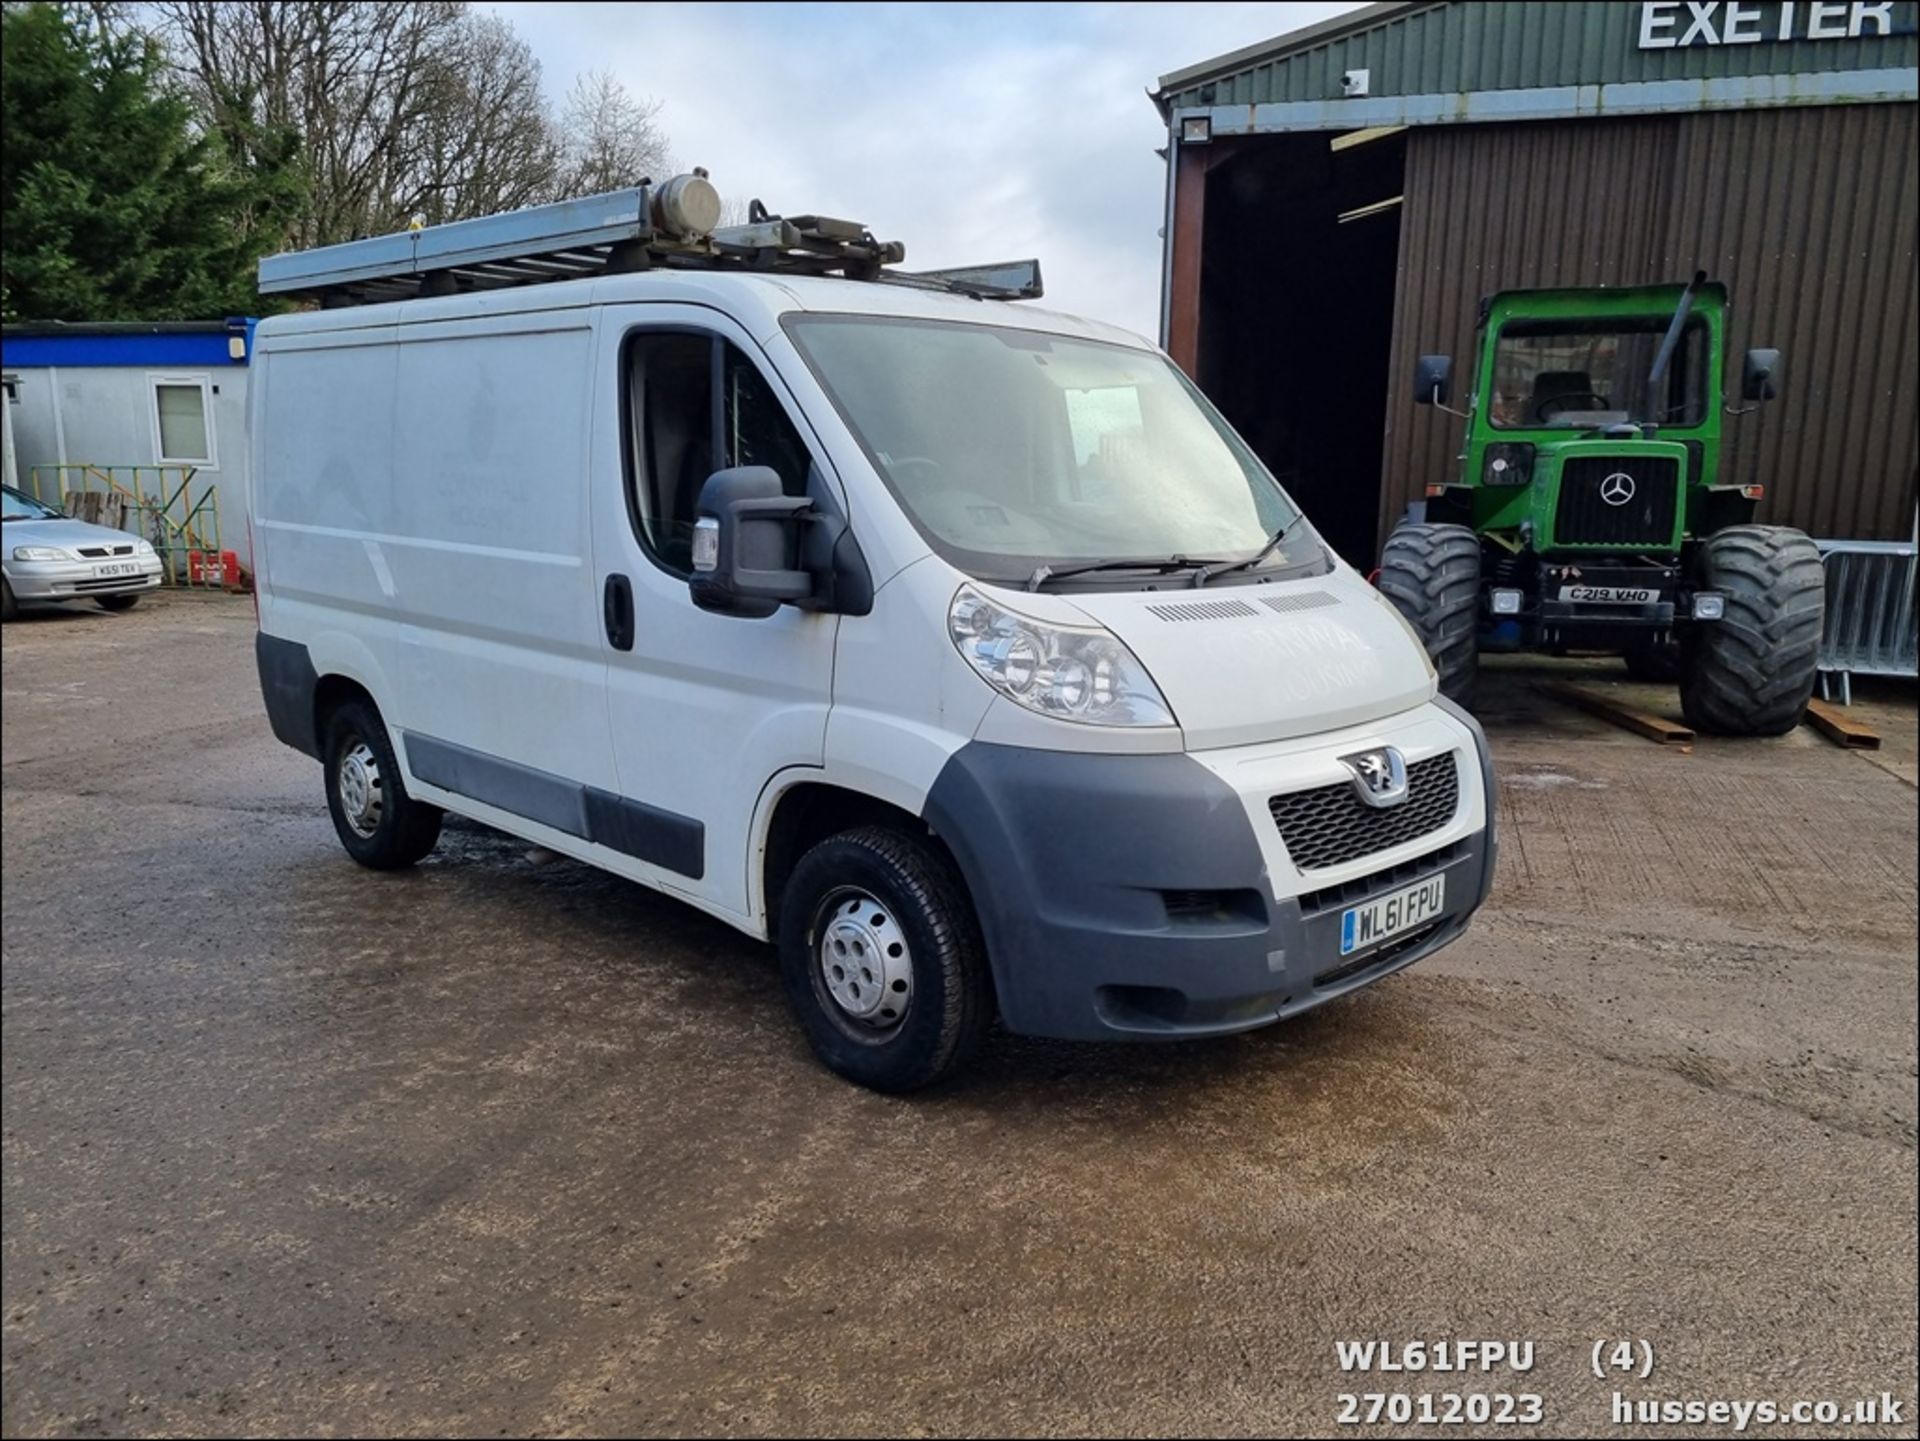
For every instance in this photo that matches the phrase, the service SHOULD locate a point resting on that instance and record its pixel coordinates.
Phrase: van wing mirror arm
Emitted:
(831, 554)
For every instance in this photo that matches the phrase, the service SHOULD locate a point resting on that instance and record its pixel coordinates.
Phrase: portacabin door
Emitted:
(704, 708)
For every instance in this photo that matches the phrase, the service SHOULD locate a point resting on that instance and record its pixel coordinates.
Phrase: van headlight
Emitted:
(143, 547)
(1065, 672)
(38, 552)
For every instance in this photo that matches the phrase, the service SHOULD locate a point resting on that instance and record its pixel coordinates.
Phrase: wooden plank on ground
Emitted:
(1840, 728)
(1653, 727)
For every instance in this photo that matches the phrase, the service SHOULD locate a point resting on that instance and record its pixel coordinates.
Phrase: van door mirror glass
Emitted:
(1433, 380)
(1760, 376)
(745, 536)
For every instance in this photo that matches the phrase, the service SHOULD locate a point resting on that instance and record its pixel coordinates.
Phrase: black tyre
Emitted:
(883, 961)
(1656, 662)
(118, 602)
(378, 822)
(9, 607)
(1432, 573)
(1752, 672)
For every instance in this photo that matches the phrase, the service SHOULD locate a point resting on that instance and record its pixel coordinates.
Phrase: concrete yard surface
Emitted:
(503, 1145)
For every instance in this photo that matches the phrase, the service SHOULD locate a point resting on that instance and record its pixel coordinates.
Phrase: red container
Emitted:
(206, 567)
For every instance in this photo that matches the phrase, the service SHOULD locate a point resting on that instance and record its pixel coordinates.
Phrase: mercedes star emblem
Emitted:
(1617, 489)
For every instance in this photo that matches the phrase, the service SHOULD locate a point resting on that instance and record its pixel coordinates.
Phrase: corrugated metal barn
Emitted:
(1340, 199)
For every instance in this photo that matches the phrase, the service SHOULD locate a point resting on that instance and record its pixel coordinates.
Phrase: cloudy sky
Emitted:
(970, 132)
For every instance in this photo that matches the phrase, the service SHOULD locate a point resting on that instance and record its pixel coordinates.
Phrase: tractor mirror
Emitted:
(1760, 376)
(1433, 380)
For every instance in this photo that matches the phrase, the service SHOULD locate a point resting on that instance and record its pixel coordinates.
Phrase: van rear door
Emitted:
(705, 708)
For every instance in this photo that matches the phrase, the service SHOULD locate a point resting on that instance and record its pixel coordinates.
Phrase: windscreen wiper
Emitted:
(1208, 572)
(1159, 566)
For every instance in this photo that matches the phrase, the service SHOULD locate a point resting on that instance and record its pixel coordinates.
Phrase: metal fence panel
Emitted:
(1871, 623)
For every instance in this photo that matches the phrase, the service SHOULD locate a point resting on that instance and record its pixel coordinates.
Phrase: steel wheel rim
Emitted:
(862, 964)
(357, 782)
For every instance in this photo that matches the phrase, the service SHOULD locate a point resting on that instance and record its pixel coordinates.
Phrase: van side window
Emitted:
(757, 429)
(670, 392)
(678, 424)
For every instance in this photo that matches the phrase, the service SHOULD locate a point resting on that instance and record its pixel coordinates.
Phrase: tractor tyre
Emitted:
(1432, 575)
(1752, 672)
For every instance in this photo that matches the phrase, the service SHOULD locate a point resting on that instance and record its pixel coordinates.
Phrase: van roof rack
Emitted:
(621, 231)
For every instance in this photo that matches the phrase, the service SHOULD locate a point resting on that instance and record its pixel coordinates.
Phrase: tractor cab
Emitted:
(1594, 423)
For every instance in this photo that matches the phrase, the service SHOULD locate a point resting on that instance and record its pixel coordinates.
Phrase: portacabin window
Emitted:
(695, 404)
(183, 428)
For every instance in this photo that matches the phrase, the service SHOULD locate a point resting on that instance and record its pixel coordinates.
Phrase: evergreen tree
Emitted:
(114, 204)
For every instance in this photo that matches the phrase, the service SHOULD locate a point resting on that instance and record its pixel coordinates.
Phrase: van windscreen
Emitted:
(1011, 449)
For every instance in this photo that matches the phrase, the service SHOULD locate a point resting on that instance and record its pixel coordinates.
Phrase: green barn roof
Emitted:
(1430, 63)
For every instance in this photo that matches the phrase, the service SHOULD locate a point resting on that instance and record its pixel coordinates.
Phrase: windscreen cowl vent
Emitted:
(1303, 600)
(1204, 610)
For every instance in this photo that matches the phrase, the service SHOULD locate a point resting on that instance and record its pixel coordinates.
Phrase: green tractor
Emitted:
(1590, 513)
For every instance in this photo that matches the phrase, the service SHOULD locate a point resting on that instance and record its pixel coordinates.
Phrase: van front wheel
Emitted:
(882, 959)
(381, 826)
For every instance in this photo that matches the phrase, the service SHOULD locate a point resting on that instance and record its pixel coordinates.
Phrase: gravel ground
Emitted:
(503, 1146)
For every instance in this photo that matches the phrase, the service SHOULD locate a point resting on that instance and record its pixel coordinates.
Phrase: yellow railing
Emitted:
(155, 501)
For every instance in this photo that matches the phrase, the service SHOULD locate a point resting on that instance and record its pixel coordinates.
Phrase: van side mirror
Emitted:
(1433, 380)
(744, 540)
(1760, 376)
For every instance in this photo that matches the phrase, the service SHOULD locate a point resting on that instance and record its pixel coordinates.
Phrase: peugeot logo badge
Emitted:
(1379, 776)
(1617, 489)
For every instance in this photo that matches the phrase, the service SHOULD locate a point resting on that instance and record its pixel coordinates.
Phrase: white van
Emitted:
(955, 646)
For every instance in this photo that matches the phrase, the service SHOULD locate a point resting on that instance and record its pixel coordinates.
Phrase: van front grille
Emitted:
(1617, 500)
(1378, 883)
(1331, 825)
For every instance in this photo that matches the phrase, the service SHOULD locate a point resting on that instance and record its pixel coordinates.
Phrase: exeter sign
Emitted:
(1672, 24)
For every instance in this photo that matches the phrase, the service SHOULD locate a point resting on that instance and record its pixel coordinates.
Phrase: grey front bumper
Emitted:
(1125, 897)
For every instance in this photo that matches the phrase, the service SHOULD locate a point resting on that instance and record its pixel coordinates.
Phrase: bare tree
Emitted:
(413, 106)
(105, 17)
(611, 139)
(484, 142)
